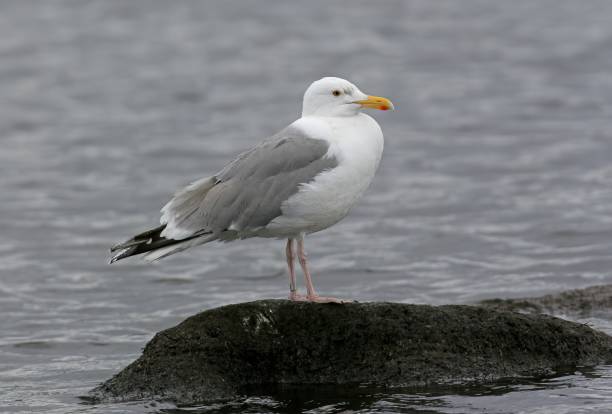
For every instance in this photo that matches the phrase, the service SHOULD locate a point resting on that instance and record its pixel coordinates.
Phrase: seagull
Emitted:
(302, 180)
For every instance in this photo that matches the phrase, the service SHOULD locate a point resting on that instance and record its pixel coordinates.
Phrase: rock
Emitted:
(579, 301)
(220, 353)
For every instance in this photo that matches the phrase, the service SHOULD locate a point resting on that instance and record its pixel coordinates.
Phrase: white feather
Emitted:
(162, 252)
(184, 201)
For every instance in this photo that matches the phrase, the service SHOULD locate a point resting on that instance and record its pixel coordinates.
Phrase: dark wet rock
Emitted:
(577, 301)
(225, 352)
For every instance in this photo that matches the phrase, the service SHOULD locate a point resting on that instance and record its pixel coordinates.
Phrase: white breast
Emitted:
(357, 143)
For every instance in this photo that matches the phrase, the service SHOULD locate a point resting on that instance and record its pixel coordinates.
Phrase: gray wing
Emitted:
(248, 192)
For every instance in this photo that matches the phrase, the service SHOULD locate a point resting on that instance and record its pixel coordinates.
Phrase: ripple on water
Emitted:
(494, 183)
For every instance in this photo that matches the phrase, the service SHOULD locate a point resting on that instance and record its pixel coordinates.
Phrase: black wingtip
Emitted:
(127, 252)
(114, 259)
(129, 243)
(130, 246)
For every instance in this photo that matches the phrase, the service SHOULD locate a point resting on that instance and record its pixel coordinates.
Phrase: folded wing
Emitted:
(246, 195)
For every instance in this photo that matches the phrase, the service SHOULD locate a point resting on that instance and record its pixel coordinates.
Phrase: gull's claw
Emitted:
(296, 297)
(326, 299)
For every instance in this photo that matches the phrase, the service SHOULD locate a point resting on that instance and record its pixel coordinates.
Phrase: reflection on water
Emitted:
(494, 183)
(590, 386)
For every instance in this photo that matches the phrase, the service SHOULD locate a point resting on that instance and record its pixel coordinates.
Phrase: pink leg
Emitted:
(293, 293)
(312, 293)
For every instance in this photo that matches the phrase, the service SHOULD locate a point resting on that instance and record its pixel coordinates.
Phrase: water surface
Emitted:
(495, 180)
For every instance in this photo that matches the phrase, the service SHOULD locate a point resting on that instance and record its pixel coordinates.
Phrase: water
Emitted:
(495, 180)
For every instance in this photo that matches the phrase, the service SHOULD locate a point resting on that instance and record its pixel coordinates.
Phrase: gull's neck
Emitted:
(340, 111)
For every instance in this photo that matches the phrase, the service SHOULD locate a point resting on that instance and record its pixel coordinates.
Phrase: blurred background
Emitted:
(495, 180)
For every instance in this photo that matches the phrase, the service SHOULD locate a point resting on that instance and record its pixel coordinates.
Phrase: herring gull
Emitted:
(301, 180)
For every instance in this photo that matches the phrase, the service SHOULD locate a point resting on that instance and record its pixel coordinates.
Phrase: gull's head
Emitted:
(339, 97)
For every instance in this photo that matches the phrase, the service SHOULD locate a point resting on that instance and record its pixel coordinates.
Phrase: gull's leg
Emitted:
(311, 292)
(293, 293)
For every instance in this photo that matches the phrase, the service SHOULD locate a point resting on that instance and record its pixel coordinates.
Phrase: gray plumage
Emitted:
(246, 195)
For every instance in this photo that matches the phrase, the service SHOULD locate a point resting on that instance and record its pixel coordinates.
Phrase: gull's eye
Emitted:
(336, 92)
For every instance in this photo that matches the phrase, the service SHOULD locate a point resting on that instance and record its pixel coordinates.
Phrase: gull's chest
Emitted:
(357, 144)
(358, 148)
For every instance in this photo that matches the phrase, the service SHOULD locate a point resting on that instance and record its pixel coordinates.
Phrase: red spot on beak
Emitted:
(384, 107)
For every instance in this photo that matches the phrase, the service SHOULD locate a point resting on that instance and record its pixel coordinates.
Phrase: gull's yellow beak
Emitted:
(376, 102)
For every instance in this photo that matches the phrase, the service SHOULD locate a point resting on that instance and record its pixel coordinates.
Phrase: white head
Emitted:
(338, 97)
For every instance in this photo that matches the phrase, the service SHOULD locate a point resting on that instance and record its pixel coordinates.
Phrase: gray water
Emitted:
(495, 180)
